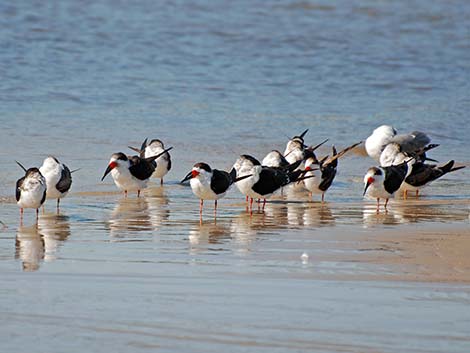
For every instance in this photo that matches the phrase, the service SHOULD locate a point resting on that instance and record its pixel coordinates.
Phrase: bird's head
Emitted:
(117, 160)
(373, 176)
(200, 170)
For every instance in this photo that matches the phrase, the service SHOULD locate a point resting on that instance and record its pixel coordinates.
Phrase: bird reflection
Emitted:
(370, 216)
(29, 247)
(318, 214)
(130, 215)
(55, 229)
(208, 236)
(424, 211)
(42, 240)
(158, 206)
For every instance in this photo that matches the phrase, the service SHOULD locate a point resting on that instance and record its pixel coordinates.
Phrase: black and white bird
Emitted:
(263, 181)
(30, 190)
(295, 148)
(58, 178)
(321, 180)
(210, 184)
(419, 173)
(386, 134)
(422, 175)
(382, 182)
(162, 163)
(275, 159)
(131, 173)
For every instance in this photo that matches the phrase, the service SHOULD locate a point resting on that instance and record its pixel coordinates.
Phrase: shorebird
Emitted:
(295, 148)
(210, 184)
(58, 178)
(382, 182)
(30, 190)
(263, 181)
(394, 154)
(321, 182)
(385, 134)
(162, 163)
(131, 173)
(419, 173)
(423, 174)
(275, 159)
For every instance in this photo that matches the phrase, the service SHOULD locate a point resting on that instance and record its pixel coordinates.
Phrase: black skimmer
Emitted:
(162, 163)
(419, 174)
(263, 181)
(275, 159)
(210, 184)
(295, 148)
(382, 182)
(320, 183)
(58, 178)
(423, 174)
(131, 173)
(385, 134)
(31, 190)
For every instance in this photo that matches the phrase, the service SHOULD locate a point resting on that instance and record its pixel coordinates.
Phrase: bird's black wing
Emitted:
(328, 174)
(141, 168)
(221, 181)
(169, 161)
(19, 184)
(421, 173)
(44, 196)
(65, 180)
(394, 176)
(270, 179)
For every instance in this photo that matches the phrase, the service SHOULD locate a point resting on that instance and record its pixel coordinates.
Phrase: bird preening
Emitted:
(403, 166)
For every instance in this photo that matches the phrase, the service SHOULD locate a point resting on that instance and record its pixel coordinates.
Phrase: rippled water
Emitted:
(84, 79)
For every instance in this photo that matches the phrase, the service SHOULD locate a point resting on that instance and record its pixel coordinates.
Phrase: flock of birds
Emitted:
(402, 166)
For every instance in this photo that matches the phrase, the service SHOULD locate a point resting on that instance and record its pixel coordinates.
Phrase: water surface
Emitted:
(84, 79)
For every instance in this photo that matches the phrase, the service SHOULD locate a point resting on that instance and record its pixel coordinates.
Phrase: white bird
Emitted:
(30, 190)
(58, 178)
(385, 134)
(162, 163)
(382, 182)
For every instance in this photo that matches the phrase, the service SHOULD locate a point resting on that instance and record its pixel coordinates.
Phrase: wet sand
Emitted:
(143, 274)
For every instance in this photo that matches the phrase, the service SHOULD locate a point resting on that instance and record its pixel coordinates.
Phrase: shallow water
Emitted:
(83, 79)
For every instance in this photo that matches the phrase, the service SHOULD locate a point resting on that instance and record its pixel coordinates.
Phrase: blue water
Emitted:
(215, 79)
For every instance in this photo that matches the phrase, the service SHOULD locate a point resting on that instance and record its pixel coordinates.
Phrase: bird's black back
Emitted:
(421, 173)
(220, 181)
(65, 181)
(328, 172)
(394, 176)
(270, 180)
(141, 168)
(19, 184)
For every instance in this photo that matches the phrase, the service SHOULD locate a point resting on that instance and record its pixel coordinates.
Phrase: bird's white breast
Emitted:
(124, 180)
